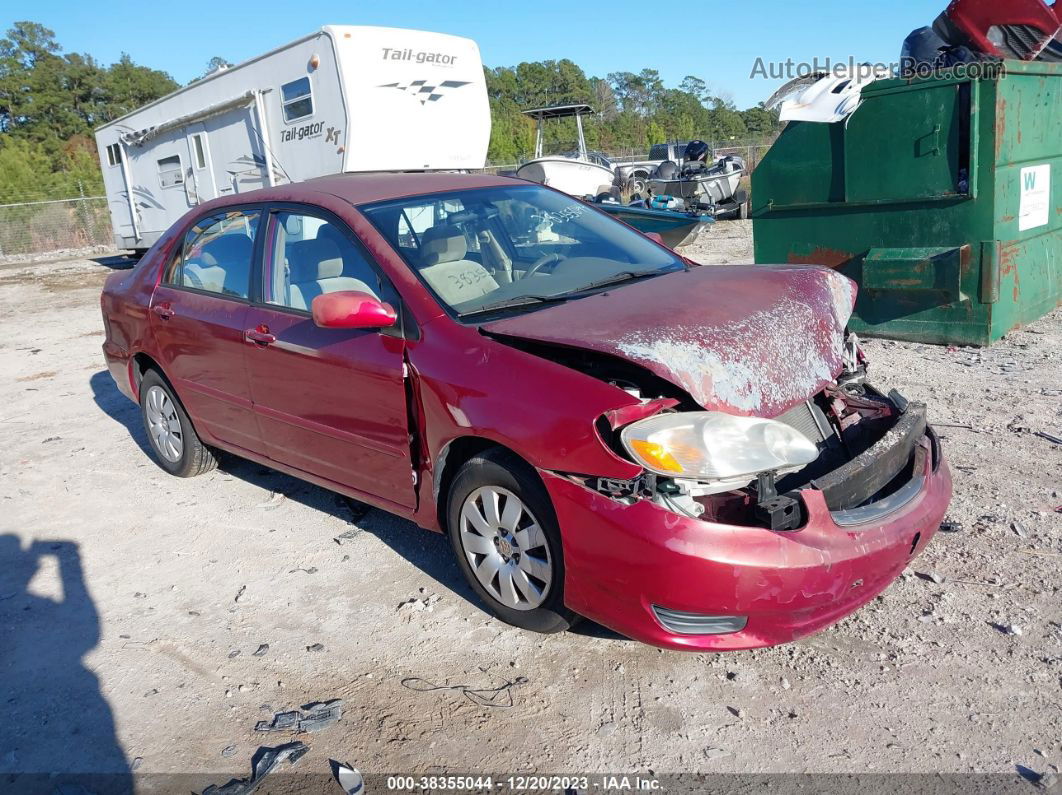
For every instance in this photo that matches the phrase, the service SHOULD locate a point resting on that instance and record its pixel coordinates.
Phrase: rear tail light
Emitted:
(1022, 29)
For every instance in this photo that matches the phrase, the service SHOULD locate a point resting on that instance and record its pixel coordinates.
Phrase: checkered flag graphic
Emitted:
(425, 92)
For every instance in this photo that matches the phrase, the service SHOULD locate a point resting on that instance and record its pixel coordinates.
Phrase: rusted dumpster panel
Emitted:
(940, 196)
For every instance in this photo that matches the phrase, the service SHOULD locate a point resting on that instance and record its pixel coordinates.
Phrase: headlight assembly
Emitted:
(720, 450)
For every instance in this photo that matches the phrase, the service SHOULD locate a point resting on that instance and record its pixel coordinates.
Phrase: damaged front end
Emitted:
(866, 452)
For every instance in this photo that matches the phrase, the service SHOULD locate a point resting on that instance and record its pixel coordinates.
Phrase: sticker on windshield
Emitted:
(567, 214)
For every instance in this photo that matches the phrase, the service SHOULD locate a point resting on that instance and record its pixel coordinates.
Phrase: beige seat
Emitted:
(444, 267)
(316, 268)
(223, 266)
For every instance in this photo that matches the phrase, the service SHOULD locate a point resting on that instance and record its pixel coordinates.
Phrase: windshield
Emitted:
(504, 248)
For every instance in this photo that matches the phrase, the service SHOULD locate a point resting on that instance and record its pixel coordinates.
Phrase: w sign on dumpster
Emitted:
(1035, 208)
(939, 195)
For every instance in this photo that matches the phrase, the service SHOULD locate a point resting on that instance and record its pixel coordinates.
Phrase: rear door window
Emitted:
(309, 256)
(217, 254)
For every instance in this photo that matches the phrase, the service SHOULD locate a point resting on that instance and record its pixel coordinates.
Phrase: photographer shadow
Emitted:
(57, 725)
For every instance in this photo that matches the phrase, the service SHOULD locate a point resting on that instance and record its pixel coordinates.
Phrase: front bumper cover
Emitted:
(621, 559)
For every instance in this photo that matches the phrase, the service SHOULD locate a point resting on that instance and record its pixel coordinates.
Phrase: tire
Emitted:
(174, 443)
(531, 562)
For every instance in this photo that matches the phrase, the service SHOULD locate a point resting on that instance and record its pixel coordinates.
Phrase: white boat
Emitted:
(581, 173)
(700, 187)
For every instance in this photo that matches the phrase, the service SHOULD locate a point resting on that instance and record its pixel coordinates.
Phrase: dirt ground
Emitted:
(135, 608)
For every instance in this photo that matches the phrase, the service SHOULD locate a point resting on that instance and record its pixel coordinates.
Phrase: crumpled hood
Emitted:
(749, 340)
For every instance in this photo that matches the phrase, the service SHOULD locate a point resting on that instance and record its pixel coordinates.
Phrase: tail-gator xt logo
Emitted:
(424, 92)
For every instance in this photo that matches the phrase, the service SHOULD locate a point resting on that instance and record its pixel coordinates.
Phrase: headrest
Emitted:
(312, 260)
(443, 243)
(228, 250)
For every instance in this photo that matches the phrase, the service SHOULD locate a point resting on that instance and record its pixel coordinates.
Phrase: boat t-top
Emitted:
(581, 173)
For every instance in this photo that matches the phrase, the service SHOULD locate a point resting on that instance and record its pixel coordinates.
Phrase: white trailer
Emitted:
(342, 99)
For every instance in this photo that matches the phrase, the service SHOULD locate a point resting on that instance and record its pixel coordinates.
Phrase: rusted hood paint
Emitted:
(749, 340)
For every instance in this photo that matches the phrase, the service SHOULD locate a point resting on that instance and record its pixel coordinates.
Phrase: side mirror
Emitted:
(351, 309)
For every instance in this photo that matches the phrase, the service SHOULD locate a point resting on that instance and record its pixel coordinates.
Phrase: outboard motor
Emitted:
(696, 152)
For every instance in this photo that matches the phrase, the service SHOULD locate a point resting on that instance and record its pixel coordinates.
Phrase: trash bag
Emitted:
(925, 49)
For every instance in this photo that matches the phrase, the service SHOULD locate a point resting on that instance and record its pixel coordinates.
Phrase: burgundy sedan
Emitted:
(692, 456)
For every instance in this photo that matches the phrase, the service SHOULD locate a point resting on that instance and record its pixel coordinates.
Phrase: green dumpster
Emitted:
(941, 196)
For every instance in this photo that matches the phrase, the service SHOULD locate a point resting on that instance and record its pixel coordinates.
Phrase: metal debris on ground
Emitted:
(239, 593)
(1047, 780)
(1049, 437)
(500, 697)
(264, 762)
(261, 650)
(348, 778)
(310, 718)
(950, 526)
(1008, 629)
(315, 647)
(347, 536)
(933, 577)
(1019, 529)
(415, 605)
(311, 570)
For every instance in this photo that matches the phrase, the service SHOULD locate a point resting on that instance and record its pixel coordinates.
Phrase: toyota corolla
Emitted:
(692, 456)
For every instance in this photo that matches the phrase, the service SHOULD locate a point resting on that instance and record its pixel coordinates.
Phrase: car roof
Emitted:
(373, 187)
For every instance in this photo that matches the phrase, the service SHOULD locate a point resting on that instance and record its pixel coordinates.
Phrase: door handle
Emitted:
(163, 310)
(259, 335)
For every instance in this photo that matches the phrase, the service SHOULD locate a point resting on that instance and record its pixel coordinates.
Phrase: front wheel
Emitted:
(505, 536)
(173, 440)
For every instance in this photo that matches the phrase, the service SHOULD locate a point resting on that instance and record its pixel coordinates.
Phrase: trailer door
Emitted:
(201, 182)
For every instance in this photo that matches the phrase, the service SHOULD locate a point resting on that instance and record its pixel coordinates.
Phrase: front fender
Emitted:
(470, 385)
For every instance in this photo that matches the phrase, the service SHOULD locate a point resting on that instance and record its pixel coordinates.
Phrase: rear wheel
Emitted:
(173, 440)
(504, 534)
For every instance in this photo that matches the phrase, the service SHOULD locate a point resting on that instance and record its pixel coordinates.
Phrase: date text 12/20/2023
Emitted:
(523, 783)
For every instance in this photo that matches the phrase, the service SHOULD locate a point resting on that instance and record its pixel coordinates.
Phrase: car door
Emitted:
(331, 402)
(198, 318)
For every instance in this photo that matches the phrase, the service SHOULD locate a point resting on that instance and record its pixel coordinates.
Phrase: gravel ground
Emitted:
(149, 622)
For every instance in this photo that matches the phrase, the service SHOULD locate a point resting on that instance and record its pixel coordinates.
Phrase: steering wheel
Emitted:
(542, 262)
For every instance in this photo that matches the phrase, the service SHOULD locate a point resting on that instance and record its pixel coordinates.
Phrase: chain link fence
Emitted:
(35, 227)
(35, 224)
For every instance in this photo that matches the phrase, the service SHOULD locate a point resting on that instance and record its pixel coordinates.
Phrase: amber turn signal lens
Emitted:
(656, 454)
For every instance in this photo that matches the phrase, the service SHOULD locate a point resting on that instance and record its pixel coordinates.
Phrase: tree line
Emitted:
(632, 111)
(51, 101)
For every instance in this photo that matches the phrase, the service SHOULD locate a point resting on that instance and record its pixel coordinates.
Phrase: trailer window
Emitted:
(199, 150)
(297, 99)
(114, 154)
(170, 171)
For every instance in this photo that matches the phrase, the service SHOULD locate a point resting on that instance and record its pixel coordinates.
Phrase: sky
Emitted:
(717, 42)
